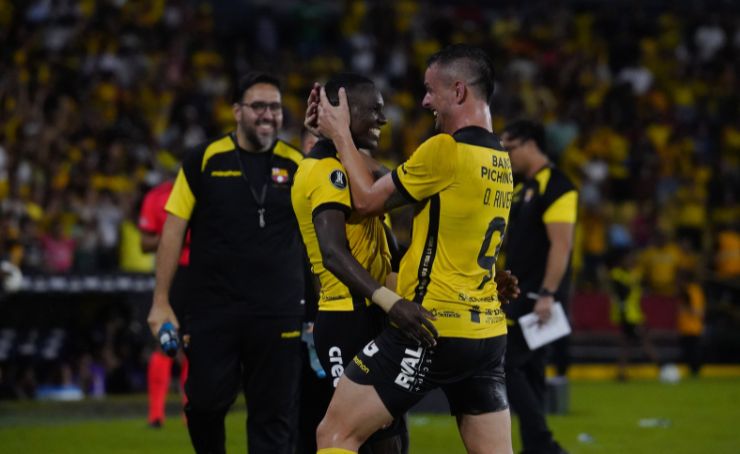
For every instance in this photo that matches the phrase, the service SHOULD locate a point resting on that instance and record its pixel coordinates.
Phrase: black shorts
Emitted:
(469, 371)
(339, 336)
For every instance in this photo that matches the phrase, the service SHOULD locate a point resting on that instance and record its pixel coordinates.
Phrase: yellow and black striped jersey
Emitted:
(463, 183)
(321, 183)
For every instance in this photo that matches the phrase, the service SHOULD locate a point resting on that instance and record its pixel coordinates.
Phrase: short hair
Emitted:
(351, 82)
(470, 62)
(527, 130)
(254, 78)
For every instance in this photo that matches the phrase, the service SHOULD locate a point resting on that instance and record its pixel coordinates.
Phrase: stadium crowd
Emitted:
(98, 100)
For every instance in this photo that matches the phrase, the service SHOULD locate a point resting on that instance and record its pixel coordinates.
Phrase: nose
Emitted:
(268, 114)
(426, 102)
(382, 120)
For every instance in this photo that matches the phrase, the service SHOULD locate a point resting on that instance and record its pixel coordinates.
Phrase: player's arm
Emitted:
(369, 197)
(168, 256)
(179, 208)
(559, 218)
(412, 318)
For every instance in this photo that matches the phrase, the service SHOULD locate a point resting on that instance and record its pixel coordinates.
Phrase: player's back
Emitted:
(464, 186)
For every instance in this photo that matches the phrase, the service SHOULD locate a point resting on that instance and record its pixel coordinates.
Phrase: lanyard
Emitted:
(258, 198)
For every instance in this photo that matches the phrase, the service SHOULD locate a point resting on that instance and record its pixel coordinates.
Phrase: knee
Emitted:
(332, 433)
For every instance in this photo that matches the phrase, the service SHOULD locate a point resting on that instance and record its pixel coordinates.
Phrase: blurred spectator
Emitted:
(690, 321)
(659, 264)
(626, 312)
(58, 249)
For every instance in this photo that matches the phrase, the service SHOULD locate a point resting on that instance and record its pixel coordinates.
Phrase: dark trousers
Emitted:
(526, 387)
(259, 354)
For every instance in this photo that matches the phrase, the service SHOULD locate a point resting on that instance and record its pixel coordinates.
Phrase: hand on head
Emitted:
(311, 120)
(333, 121)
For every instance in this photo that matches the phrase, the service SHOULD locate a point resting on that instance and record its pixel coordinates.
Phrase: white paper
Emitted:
(537, 334)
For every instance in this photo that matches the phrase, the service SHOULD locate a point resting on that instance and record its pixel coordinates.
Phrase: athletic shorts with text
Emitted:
(469, 371)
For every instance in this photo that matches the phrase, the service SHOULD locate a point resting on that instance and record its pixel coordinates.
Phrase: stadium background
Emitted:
(98, 99)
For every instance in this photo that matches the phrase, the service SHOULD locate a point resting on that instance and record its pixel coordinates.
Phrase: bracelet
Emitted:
(545, 292)
(385, 298)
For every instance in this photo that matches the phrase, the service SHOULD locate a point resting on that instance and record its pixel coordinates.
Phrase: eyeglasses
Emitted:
(260, 107)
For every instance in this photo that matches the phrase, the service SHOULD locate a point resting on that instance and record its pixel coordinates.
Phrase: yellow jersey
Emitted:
(463, 184)
(321, 183)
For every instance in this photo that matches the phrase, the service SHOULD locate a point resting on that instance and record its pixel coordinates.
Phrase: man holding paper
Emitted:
(538, 247)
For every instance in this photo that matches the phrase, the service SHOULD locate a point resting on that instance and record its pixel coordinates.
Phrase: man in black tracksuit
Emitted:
(247, 275)
(538, 247)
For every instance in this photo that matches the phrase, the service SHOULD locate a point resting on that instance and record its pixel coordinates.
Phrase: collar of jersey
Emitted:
(324, 148)
(477, 136)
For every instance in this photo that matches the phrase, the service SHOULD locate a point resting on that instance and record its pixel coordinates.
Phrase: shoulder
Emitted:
(201, 153)
(559, 182)
(287, 151)
(439, 141)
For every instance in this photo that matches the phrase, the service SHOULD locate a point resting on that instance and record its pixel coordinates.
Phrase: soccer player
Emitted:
(151, 221)
(246, 285)
(461, 183)
(538, 248)
(349, 254)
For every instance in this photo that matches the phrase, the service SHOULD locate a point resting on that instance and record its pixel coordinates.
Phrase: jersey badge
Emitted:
(338, 179)
(280, 175)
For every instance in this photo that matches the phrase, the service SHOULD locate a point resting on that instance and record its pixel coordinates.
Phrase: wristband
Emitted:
(385, 298)
(545, 292)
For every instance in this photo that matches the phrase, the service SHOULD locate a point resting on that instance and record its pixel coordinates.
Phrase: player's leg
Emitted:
(355, 412)
(213, 377)
(339, 335)
(489, 433)
(479, 400)
(158, 383)
(271, 361)
(524, 392)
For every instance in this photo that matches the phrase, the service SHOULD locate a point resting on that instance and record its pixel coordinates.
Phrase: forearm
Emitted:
(168, 255)
(557, 263)
(360, 176)
(350, 272)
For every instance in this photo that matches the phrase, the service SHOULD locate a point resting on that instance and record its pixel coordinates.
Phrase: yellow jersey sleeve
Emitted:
(328, 187)
(429, 170)
(181, 200)
(564, 209)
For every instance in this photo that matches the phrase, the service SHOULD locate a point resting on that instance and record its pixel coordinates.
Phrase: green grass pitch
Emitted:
(702, 416)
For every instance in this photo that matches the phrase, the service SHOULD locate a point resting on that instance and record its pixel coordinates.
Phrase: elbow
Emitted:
(363, 210)
(330, 260)
(366, 208)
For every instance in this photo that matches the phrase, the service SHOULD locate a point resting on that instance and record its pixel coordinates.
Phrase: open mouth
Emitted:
(375, 132)
(265, 127)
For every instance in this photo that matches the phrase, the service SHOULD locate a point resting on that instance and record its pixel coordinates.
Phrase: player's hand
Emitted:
(507, 285)
(311, 120)
(543, 307)
(160, 313)
(414, 321)
(333, 120)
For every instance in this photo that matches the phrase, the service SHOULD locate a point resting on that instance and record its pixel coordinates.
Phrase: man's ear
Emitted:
(461, 91)
(237, 112)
